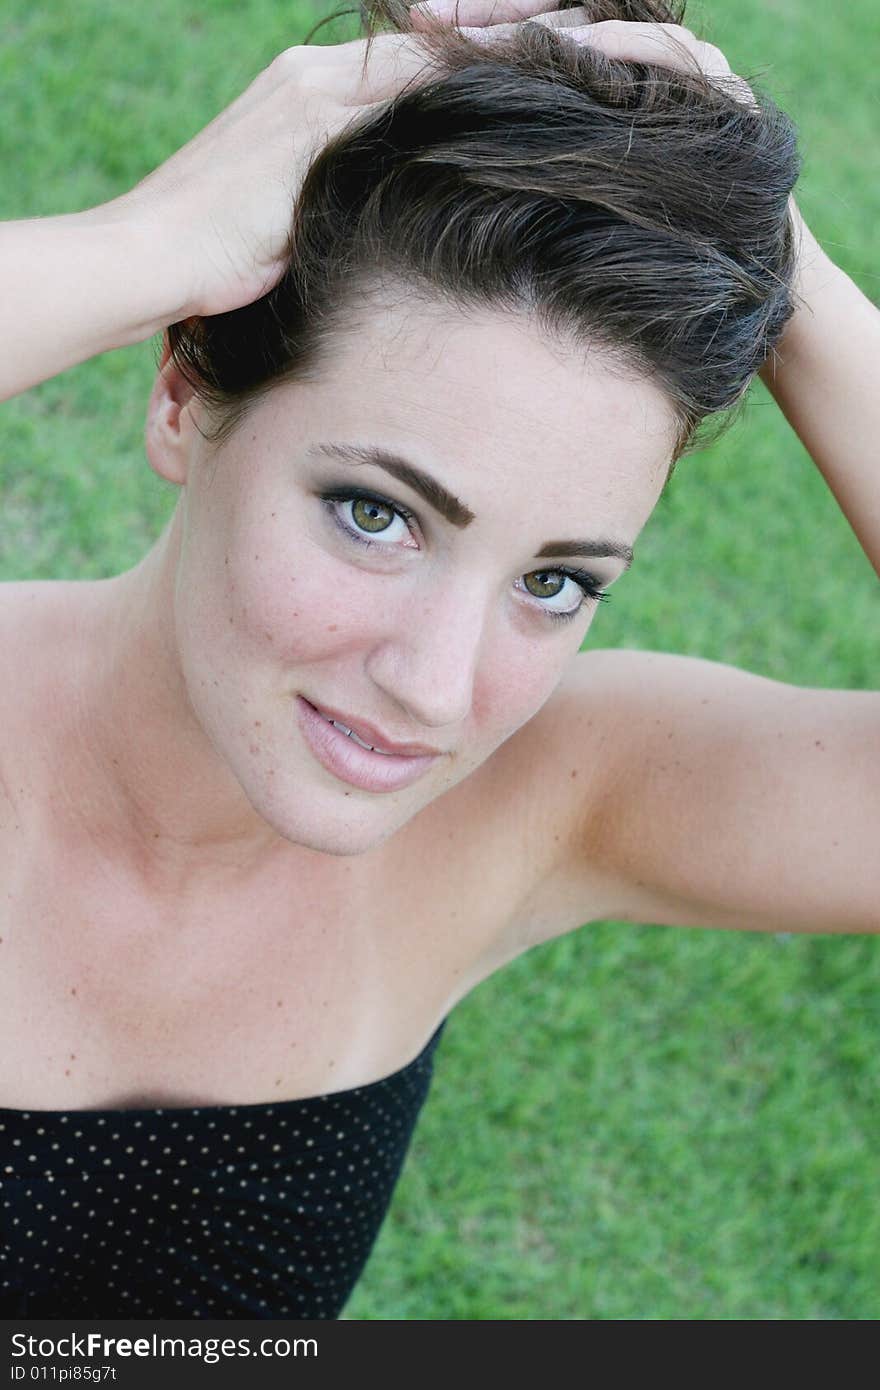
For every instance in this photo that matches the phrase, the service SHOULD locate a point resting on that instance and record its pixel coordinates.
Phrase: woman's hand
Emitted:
(671, 45)
(221, 207)
(823, 373)
(206, 232)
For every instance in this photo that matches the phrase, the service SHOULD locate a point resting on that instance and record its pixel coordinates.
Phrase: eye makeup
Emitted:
(333, 498)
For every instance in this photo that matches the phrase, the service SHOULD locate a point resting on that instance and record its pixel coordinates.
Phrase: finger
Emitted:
(631, 40)
(362, 76)
(479, 12)
(670, 45)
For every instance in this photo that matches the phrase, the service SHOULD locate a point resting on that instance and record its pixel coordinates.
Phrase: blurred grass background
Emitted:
(630, 1123)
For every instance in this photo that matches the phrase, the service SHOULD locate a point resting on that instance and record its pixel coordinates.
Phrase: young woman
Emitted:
(329, 754)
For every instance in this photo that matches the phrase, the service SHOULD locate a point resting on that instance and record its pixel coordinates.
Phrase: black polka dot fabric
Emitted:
(242, 1211)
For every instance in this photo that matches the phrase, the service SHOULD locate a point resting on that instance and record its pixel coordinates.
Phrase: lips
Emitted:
(350, 732)
(332, 742)
(368, 736)
(352, 735)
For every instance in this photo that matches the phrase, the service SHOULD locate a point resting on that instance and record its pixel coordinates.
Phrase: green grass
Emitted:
(631, 1122)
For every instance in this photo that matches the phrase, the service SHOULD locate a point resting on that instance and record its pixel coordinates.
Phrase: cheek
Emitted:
(252, 606)
(516, 678)
(297, 607)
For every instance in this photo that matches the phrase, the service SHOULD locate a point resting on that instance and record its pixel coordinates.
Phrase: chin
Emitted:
(335, 830)
(341, 841)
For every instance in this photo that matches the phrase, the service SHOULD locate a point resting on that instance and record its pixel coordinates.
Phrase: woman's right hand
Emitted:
(222, 206)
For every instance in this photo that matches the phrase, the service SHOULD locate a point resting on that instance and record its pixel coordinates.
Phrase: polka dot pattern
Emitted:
(242, 1211)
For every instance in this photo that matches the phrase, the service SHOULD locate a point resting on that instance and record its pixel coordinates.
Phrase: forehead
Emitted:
(485, 400)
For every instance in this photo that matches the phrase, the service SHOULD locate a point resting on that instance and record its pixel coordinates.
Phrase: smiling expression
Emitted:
(414, 544)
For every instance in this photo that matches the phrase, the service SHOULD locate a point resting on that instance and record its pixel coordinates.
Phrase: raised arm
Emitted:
(206, 232)
(825, 377)
(743, 801)
(715, 797)
(74, 286)
(825, 372)
(686, 792)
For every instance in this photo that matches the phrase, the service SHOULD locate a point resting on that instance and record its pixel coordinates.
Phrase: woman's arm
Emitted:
(685, 792)
(710, 796)
(825, 377)
(206, 232)
(716, 797)
(74, 286)
(733, 800)
(825, 372)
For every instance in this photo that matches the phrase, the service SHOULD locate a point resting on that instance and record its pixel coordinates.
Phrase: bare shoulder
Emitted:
(34, 622)
(31, 609)
(533, 799)
(22, 605)
(687, 792)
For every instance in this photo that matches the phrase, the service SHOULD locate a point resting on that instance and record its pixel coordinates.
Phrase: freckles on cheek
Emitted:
(514, 690)
(307, 612)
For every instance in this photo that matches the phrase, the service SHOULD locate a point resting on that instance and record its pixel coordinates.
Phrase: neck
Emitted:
(142, 775)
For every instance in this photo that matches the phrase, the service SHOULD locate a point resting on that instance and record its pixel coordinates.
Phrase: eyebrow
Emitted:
(450, 507)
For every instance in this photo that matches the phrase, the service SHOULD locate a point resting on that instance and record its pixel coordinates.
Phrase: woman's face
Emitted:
(434, 600)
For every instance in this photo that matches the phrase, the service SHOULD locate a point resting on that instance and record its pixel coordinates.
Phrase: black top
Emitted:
(217, 1211)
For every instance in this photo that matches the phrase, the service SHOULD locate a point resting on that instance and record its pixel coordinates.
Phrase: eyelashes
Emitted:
(588, 584)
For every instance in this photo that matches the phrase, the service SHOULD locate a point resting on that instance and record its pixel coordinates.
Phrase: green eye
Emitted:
(370, 515)
(548, 583)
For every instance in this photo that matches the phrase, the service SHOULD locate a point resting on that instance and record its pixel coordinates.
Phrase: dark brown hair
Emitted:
(620, 205)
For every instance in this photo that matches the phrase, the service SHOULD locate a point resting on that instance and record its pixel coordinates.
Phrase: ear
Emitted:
(170, 430)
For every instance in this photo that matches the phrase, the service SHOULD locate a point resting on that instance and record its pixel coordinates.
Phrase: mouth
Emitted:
(353, 736)
(349, 756)
(371, 738)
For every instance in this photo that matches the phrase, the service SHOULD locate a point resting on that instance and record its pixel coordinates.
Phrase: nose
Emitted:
(428, 658)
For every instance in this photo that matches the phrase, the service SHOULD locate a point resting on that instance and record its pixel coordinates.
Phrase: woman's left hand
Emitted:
(822, 375)
(671, 45)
